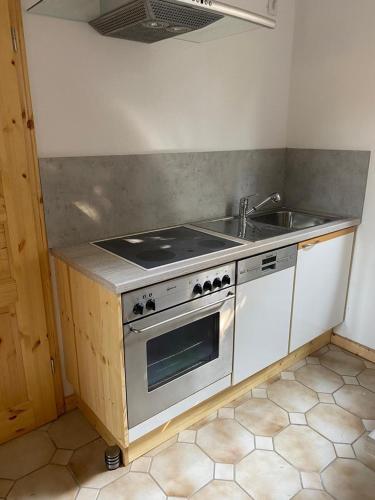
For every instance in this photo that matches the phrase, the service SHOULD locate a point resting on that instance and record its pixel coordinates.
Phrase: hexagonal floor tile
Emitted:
(304, 448)
(367, 379)
(292, 396)
(225, 441)
(88, 467)
(312, 495)
(342, 363)
(52, 481)
(348, 479)
(182, 469)
(265, 475)
(133, 486)
(262, 417)
(71, 431)
(221, 490)
(25, 454)
(318, 378)
(334, 423)
(357, 400)
(364, 448)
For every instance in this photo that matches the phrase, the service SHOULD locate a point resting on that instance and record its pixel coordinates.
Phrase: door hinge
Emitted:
(52, 365)
(14, 39)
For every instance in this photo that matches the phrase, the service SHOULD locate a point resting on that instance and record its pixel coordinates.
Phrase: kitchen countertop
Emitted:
(121, 276)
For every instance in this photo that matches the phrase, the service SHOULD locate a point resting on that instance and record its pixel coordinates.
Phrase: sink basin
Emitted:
(291, 220)
(266, 224)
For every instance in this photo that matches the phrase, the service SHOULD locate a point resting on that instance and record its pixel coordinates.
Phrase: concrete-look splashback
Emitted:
(330, 181)
(89, 198)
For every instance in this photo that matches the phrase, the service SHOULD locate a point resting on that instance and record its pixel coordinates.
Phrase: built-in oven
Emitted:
(178, 340)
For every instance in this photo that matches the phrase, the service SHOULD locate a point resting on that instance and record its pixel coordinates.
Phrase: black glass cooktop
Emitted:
(158, 248)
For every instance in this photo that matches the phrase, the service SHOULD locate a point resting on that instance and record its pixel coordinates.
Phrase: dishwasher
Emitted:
(264, 299)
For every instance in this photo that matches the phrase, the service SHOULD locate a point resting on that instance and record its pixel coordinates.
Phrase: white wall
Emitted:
(95, 96)
(332, 105)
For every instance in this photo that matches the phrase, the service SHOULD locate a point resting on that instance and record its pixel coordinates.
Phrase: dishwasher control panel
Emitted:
(267, 263)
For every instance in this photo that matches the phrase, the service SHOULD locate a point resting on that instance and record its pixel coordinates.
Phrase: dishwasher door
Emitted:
(263, 311)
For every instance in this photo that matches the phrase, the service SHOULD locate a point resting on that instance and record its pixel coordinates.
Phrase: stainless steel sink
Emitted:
(266, 224)
(291, 220)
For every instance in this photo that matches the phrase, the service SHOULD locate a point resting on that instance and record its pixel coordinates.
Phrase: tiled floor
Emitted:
(303, 436)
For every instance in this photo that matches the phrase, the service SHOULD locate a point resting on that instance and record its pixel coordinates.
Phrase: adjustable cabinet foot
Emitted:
(112, 457)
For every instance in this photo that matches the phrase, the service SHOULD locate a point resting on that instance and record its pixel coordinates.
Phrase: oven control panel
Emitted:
(156, 298)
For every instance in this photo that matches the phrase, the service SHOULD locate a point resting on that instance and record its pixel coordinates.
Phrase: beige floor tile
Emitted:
(201, 423)
(265, 475)
(27, 453)
(221, 490)
(225, 441)
(88, 467)
(224, 472)
(287, 376)
(369, 424)
(297, 418)
(367, 379)
(334, 423)
(51, 482)
(357, 400)
(312, 360)
(5, 486)
(365, 450)
(313, 495)
(182, 469)
(71, 431)
(342, 363)
(326, 398)
(177, 498)
(226, 413)
(133, 486)
(319, 379)
(240, 400)
(304, 448)
(161, 447)
(262, 417)
(320, 352)
(350, 380)
(349, 480)
(369, 364)
(259, 393)
(344, 450)
(61, 457)
(187, 436)
(141, 464)
(263, 443)
(297, 365)
(311, 480)
(87, 494)
(292, 396)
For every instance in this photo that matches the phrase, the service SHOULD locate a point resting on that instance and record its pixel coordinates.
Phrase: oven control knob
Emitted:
(207, 287)
(138, 309)
(198, 290)
(217, 283)
(150, 305)
(226, 280)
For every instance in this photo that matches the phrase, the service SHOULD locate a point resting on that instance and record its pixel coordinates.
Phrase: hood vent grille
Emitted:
(150, 21)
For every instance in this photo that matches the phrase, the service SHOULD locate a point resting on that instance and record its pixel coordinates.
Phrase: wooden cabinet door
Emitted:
(27, 395)
(321, 285)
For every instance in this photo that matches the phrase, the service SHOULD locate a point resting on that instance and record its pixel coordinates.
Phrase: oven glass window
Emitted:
(182, 350)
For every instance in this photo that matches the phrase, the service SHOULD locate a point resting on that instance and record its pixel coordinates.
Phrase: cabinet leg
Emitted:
(112, 457)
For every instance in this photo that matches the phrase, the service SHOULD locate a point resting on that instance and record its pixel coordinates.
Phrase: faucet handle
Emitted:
(248, 197)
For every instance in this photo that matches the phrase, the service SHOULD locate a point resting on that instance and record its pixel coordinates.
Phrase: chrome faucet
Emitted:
(245, 211)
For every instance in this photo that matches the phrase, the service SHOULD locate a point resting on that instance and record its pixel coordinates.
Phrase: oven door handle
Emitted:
(230, 296)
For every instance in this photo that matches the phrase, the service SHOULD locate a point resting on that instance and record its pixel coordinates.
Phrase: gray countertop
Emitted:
(121, 276)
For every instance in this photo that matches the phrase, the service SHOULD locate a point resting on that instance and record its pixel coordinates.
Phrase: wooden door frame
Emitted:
(19, 148)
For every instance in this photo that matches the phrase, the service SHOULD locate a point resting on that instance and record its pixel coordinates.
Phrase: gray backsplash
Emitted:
(330, 181)
(89, 198)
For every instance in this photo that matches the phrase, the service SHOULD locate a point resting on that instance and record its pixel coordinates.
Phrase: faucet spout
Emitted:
(245, 211)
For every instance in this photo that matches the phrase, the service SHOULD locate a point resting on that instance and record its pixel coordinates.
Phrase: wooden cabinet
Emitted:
(321, 285)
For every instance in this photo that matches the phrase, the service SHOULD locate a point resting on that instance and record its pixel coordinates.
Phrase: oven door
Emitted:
(175, 353)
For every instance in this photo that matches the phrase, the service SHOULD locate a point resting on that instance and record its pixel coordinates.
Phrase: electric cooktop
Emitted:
(167, 246)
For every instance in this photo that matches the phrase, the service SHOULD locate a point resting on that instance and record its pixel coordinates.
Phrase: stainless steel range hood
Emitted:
(150, 21)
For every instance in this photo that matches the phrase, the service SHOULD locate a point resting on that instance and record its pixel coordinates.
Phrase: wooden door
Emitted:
(321, 285)
(27, 336)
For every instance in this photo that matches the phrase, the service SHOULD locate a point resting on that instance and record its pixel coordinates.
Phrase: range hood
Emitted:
(150, 21)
